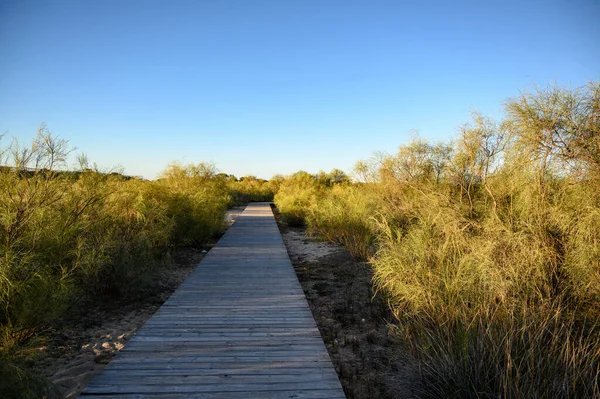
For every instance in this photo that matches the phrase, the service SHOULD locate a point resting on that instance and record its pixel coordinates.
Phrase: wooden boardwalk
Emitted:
(238, 327)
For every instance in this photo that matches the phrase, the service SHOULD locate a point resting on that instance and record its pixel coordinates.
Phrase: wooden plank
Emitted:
(296, 394)
(229, 322)
(256, 372)
(265, 337)
(167, 359)
(167, 335)
(241, 387)
(221, 329)
(227, 369)
(238, 327)
(224, 346)
(204, 379)
(236, 352)
(194, 322)
(218, 364)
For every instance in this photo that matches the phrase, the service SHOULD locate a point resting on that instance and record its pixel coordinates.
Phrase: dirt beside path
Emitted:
(72, 354)
(352, 321)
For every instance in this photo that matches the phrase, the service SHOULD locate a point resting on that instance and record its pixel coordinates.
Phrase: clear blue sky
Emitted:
(265, 87)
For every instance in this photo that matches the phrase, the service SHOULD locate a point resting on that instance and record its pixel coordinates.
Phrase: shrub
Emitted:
(69, 234)
(343, 214)
(196, 201)
(251, 189)
(296, 196)
(493, 272)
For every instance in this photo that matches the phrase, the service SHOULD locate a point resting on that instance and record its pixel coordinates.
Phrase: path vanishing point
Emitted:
(238, 327)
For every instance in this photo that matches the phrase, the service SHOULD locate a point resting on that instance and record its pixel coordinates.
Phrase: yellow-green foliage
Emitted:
(251, 189)
(18, 382)
(435, 252)
(532, 353)
(68, 234)
(196, 201)
(296, 196)
(582, 252)
(494, 272)
(344, 214)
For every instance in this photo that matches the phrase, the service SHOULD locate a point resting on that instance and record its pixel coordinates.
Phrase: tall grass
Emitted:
(495, 306)
(196, 201)
(296, 196)
(344, 215)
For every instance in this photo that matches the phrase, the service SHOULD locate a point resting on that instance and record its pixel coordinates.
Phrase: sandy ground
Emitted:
(302, 249)
(233, 214)
(74, 353)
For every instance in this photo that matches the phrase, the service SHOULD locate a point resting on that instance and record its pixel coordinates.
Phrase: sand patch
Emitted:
(304, 249)
(82, 344)
(233, 214)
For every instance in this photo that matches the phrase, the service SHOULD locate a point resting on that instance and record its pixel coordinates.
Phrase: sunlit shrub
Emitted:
(343, 214)
(251, 189)
(296, 196)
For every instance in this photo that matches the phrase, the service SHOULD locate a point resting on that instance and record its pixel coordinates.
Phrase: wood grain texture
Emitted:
(238, 327)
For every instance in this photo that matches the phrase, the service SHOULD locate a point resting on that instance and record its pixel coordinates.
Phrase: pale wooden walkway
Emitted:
(238, 327)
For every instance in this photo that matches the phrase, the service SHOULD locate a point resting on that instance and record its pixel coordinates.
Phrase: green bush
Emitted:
(196, 201)
(296, 196)
(343, 214)
(251, 189)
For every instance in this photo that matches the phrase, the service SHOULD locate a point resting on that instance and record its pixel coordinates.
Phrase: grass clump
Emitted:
(296, 196)
(196, 201)
(343, 214)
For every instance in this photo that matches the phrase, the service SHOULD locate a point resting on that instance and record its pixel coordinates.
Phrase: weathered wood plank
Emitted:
(176, 336)
(211, 369)
(255, 340)
(242, 387)
(296, 394)
(171, 363)
(203, 379)
(221, 329)
(243, 367)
